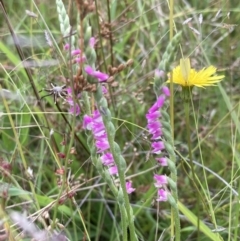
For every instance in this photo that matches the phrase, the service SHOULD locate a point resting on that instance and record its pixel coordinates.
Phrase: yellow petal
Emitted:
(185, 68)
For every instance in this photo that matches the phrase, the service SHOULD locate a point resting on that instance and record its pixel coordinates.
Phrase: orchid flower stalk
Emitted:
(110, 151)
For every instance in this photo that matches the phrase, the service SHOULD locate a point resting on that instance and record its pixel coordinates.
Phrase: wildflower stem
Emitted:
(124, 224)
(186, 97)
(124, 204)
(121, 195)
(174, 208)
(124, 190)
(109, 181)
(104, 174)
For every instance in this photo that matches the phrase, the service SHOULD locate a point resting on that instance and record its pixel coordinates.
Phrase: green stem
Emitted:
(109, 181)
(173, 198)
(187, 97)
(123, 222)
(121, 175)
(119, 161)
(174, 208)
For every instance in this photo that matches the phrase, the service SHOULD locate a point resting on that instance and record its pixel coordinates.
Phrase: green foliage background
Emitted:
(140, 31)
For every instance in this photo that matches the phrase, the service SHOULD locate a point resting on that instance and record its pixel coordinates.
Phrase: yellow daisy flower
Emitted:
(185, 76)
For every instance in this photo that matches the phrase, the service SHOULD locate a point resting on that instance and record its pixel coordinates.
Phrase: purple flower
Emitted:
(160, 101)
(87, 122)
(96, 74)
(70, 100)
(75, 52)
(157, 146)
(89, 70)
(92, 42)
(99, 133)
(96, 125)
(66, 46)
(100, 76)
(75, 110)
(154, 127)
(153, 116)
(166, 91)
(79, 59)
(160, 180)
(113, 170)
(98, 129)
(158, 104)
(104, 90)
(162, 161)
(107, 159)
(97, 117)
(162, 195)
(129, 187)
(69, 90)
(159, 73)
(102, 144)
(157, 134)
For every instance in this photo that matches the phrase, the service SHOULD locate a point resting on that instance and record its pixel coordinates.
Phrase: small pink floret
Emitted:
(92, 42)
(113, 170)
(66, 46)
(162, 195)
(129, 187)
(166, 91)
(75, 52)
